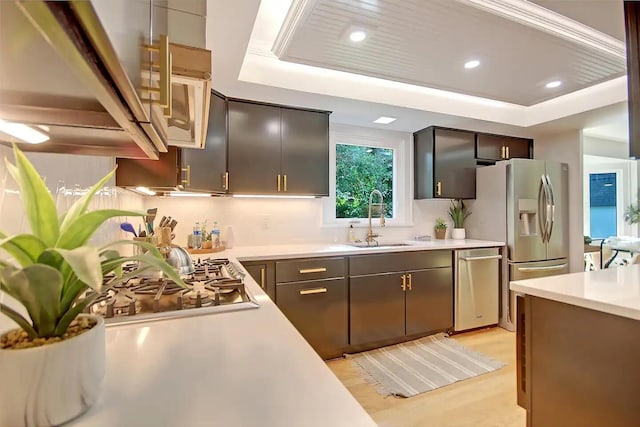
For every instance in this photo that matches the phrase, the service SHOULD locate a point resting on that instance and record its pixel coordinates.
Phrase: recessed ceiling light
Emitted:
(553, 84)
(471, 64)
(23, 132)
(384, 120)
(357, 36)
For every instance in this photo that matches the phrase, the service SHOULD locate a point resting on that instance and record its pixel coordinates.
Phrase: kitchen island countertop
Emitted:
(245, 368)
(611, 290)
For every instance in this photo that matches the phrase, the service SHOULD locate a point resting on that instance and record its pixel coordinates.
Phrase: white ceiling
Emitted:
(241, 34)
(426, 43)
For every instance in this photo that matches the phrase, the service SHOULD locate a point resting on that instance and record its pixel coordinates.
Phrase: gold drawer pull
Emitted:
(262, 281)
(313, 291)
(226, 181)
(439, 188)
(312, 270)
(187, 181)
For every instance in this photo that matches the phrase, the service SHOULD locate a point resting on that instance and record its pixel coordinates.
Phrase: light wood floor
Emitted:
(485, 401)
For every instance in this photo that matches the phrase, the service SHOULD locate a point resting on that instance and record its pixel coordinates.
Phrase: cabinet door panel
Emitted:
(318, 309)
(455, 164)
(430, 301)
(376, 308)
(490, 147)
(254, 148)
(519, 148)
(305, 151)
(209, 165)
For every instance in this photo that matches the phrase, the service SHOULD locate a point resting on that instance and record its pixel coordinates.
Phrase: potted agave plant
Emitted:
(52, 366)
(458, 213)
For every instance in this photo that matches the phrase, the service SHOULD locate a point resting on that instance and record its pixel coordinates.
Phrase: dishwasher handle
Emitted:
(480, 258)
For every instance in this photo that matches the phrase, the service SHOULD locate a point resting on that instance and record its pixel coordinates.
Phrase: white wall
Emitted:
(598, 146)
(567, 147)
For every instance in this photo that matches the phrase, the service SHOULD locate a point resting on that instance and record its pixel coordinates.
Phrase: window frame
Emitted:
(400, 143)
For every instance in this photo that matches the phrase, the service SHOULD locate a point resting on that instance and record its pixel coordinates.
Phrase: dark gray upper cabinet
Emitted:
(189, 169)
(206, 169)
(499, 147)
(254, 148)
(305, 152)
(444, 164)
(277, 150)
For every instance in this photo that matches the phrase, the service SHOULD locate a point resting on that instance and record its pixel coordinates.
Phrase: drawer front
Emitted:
(310, 269)
(398, 261)
(319, 310)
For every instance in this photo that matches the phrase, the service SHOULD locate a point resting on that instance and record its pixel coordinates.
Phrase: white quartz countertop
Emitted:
(611, 290)
(236, 369)
(257, 253)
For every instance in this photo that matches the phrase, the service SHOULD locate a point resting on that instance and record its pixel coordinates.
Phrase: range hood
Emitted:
(60, 74)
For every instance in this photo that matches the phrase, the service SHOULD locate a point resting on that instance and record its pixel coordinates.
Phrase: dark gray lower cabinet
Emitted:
(429, 301)
(376, 308)
(263, 272)
(319, 311)
(415, 299)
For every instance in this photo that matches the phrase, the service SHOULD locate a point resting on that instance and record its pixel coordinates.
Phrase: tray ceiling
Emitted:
(426, 43)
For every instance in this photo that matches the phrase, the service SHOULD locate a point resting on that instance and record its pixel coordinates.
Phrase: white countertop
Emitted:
(611, 290)
(246, 368)
(257, 253)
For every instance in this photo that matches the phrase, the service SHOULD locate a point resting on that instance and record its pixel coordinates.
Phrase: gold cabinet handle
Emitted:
(262, 274)
(502, 152)
(162, 48)
(225, 182)
(312, 270)
(187, 181)
(285, 182)
(313, 291)
(410, 281)
(404, 282)
(279, 183)
(439, 188)
(508, 155)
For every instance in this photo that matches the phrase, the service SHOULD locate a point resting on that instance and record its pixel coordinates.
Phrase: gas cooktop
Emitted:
(216, 285)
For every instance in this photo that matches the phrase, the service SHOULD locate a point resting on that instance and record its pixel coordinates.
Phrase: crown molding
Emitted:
(297, 14)
(542, 19)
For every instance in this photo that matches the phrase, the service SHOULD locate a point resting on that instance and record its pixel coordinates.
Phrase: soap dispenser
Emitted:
(352, 237)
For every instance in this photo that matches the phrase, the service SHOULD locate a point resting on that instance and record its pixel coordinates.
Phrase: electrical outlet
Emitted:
(266, 222)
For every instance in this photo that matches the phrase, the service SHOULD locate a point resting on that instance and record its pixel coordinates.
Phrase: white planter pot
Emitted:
(458, 233)
(51, 384)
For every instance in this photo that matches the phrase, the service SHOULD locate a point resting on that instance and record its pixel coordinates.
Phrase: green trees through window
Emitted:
(360, 170)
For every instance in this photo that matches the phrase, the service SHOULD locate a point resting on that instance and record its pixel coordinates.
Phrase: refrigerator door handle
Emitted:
(542, 216)
(549, 268)
(553, 207)
(548, 207)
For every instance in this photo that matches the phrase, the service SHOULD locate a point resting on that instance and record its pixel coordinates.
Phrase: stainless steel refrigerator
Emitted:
(524, 203)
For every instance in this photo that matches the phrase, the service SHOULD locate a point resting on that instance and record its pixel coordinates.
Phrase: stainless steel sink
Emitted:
(382, 245)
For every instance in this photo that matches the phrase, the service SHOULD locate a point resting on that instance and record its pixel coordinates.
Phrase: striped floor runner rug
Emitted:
(414, 367)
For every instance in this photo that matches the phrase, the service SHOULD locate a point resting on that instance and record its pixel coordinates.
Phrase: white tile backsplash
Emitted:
(280, 221)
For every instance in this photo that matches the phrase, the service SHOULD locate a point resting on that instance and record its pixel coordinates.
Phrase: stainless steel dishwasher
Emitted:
(476, 288)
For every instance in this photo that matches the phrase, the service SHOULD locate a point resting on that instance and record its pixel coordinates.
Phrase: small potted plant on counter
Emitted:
(52, 366)
(458, 213)
(441, 228)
